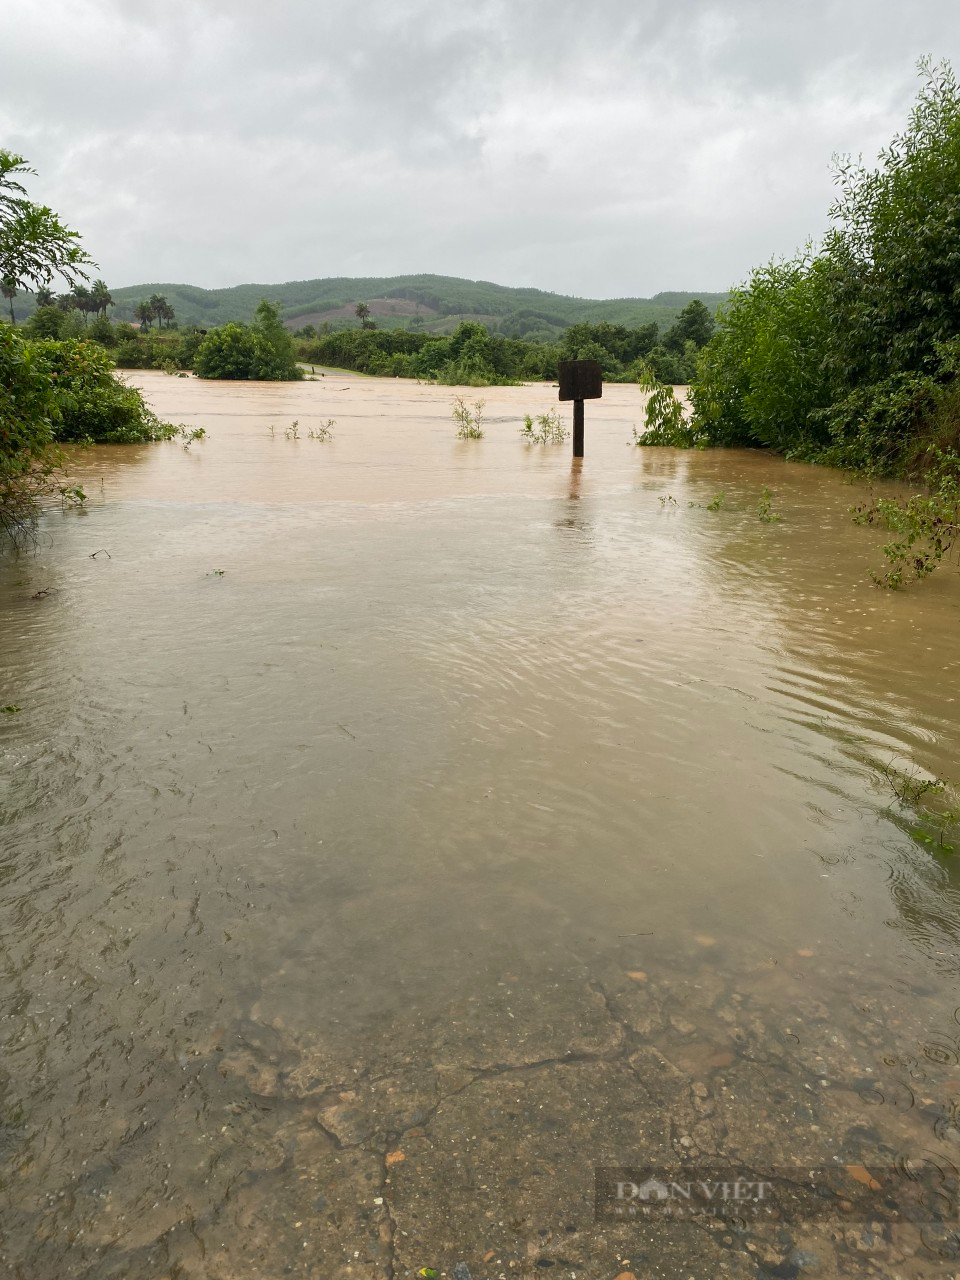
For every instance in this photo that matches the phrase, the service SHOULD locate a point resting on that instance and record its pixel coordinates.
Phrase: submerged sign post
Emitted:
(580, 380)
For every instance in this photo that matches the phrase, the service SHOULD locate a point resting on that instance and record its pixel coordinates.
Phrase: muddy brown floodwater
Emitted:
(395, 831)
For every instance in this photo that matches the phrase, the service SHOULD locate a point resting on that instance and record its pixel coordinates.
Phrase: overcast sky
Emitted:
(604, 148)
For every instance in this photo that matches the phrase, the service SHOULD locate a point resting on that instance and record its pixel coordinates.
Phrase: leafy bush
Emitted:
(27, 411)
(53, 392)
(91, 403)
(839, 356)
(261, 352)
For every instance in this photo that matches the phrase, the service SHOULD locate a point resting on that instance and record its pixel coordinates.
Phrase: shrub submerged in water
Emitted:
(261, 352)
(57, 392)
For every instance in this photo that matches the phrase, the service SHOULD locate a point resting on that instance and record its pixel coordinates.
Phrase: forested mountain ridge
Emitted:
(432, 303)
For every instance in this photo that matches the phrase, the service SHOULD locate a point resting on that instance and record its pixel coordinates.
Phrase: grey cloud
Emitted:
(616, 148)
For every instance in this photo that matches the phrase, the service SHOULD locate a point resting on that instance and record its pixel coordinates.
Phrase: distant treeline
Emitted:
(472, 356)
(262, 351)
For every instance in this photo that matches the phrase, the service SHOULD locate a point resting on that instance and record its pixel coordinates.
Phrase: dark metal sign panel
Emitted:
(580, 380)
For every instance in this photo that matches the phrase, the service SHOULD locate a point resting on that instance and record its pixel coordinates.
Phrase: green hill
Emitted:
(435, 304)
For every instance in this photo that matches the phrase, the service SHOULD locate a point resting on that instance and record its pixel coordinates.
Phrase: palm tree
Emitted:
(44, 297)
(9, 291)
(100, 296)
(362, 312)
(161, 308)
(144, 313)
(83, 300)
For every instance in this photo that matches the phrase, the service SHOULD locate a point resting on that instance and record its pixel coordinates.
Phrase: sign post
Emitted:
(580, 380)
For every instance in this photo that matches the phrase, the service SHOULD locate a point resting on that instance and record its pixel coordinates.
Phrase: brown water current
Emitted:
(395, 829)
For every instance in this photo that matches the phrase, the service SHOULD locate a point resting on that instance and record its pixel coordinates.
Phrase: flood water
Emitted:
(396, 829)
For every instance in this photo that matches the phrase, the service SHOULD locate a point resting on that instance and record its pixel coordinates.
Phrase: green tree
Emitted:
(83, 300)
(27, 409)
(35, 246)
(895, 248)
(161, 309)
(362, 312)
(100, 296)
(694, 324)
(145, 313)
(762, 378)
(262, 352)
(843, 355)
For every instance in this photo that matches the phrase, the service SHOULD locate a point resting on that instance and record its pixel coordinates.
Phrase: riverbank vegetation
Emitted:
(473, 356)
(848, 354)
(53, 389)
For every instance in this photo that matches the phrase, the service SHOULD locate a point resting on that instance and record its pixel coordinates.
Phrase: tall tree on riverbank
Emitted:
(35, 246)
(847, 355)
(161, 309)
(100, 296)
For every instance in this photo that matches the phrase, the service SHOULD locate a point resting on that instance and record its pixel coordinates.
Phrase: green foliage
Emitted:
(35, 246)
(927, 524)
(851, 355)
(91, 404)
(469, 421)
(665, 421)
(46, 322)
(895, 249)
(694, 324)
(760, 381)
(837, 356)
(765, 511)
(28, 409)
(546, 428)
(261, 352)
(434, 304)
(53, 392)
(871, 429)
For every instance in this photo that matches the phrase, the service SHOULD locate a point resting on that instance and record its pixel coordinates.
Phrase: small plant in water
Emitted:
(11, 709)
(927, 824)
(469, 421)
(765, 511)
(72, 495)
(216, 573)
(928, 524)
(293, 431)
(190, 435)
(323, 432)
(717, 501)
(667, 500)
(545, 428)
(665, 420)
